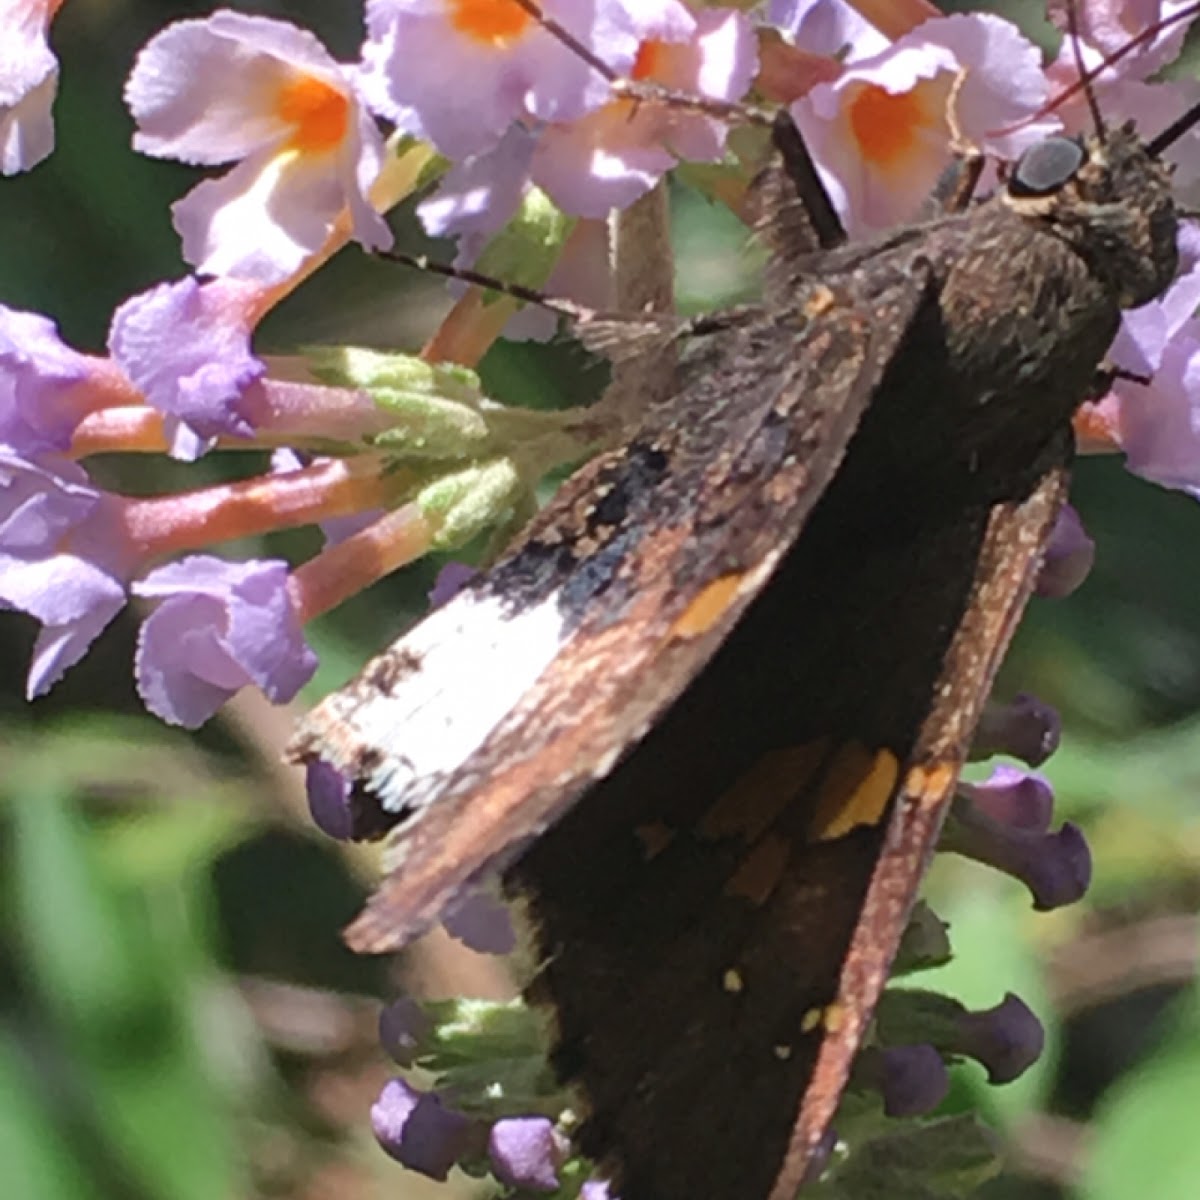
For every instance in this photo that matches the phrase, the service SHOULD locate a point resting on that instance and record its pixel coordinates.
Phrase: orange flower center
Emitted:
(649, 59)
(318, 111)
(884, 123)
(495, 22)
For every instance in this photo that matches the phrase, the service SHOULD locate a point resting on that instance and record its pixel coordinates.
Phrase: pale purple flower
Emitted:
(1107, 26)
(615, 153)
(418, 1130)
(216, 627)
(186, 345)
(612, 156)
(1022, 799)
(830, 27)
(460, 75)
(481, 194)
(597, 1189)
(267, 96)
(28, 84)
(879, 133)
(1157, 424)
(64, 559)
(1070, 554)
(43, 382)
(526, 1153)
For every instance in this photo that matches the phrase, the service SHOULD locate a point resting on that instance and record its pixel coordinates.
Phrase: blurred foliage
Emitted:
(177, 1016)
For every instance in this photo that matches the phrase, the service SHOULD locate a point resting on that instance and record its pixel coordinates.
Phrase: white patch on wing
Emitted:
(473, 661)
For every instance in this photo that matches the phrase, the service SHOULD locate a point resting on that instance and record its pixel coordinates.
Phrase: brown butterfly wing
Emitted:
(648, 557)
(717, 917)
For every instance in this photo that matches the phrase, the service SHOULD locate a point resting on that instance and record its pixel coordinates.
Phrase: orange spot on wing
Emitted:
(854, 792)
(760, 871)
(494, 22)
(753, 804)
(318, 111)
(833, 1017)
(930, 785)
(708, 607)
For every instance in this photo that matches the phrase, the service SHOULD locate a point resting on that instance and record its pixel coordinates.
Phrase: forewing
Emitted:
(717, 918)
(480, 728)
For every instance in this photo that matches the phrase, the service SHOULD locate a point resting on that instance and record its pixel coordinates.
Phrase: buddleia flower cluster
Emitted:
(520, 129)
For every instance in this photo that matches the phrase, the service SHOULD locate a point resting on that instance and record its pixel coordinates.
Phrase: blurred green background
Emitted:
(178, 1017)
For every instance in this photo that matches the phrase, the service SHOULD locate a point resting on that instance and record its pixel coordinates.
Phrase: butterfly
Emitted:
(708, 714)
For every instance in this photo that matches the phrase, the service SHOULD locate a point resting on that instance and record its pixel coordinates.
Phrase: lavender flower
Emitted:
(1026, 728)
(1005, 829)
(403, 1026)
(911, 1079)
(1005, 1040)
(418, 1130)
(187, 346)
(216, 627)
(1069, 557)
(526, 1152)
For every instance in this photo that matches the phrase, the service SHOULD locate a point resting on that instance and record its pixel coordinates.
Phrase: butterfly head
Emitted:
(1110, 198)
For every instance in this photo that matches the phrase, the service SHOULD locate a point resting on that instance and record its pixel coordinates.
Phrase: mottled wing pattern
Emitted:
(505, 705)
(717, 918)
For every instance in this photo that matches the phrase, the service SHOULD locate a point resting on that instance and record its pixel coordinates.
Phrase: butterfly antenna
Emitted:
(1086, 78)
(643, 90)
(1173, 132)
(1081, 67)
(568, 39)
(564, 308)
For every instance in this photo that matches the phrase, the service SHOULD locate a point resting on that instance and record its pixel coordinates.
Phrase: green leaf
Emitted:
(38, 1163)
(1144, 1139)
(88, 963)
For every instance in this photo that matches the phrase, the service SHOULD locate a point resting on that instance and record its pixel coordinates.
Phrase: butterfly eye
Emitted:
(1046, 166)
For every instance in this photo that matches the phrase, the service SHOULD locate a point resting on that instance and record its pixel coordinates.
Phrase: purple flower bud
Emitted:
(1007, 1040)
(1026, 728)
(481, 922)
(1069, 556)
(328, 799)
(1056, 867)
(911, 1079)
(1013, 797)
(526, 1153)
(340, 810)
(416, 1129)
(402, 1026)
(597, 1189)
(451, 580)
